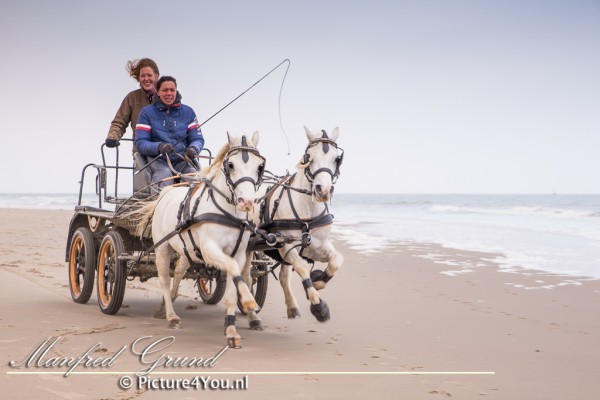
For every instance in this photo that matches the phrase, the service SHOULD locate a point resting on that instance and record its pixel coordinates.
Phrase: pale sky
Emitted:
(430, 96)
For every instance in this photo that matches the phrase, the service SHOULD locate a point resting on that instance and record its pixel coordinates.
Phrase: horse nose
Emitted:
(322, 193)
(245, 204)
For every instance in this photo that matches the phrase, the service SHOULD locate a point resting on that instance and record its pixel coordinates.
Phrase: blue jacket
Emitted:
(177, 125)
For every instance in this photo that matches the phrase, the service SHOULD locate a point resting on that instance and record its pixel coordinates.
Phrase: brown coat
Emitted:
(128, 114)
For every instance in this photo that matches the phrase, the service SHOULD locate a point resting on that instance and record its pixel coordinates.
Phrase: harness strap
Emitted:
(305, 225)
(286, 224)
(197, 251)
(184, 216)
(208, 183)
(276, 202)
(185, 250)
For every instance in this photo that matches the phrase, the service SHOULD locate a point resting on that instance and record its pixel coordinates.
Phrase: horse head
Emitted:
(243, 167)
(321, 162)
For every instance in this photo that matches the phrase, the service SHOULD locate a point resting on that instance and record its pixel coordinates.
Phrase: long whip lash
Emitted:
(279, 100)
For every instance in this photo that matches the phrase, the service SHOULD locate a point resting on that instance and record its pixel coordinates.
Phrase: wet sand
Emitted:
(412, 309)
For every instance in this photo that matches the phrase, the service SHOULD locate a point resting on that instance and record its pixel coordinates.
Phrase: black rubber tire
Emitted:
(82, 265)
(211, 291)
(112, 274)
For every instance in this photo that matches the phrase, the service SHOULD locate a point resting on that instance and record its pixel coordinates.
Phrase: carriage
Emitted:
(102, 247)
(292, 228)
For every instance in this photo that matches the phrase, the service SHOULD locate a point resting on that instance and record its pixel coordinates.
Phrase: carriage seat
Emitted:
(142, 180)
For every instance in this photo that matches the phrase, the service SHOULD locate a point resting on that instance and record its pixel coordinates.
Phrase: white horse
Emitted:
(211, 218)
(292, 210)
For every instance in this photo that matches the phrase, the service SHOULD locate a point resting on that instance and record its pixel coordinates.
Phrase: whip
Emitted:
(232, 101)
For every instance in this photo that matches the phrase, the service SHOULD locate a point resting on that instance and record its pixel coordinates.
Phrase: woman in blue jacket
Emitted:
(169, 129)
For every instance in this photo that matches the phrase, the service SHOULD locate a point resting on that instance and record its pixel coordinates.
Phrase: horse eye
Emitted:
(230, 165)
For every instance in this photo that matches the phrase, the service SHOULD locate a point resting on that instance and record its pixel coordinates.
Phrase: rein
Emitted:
(186, 214)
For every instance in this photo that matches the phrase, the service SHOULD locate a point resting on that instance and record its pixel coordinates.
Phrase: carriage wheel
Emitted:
(260, 283)
(211, 291)
(111, 274)
(82, 265)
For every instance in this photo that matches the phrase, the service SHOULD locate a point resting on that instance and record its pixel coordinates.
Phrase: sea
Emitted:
(549, 232)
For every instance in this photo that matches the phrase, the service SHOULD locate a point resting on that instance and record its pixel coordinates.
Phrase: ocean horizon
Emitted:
(557, 233)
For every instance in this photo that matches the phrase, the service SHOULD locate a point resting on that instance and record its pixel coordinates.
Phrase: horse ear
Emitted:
(335, 133)
(229, 139)
(311, 136)
(255, 137)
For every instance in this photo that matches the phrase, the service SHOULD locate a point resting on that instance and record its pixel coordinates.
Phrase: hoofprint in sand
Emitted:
(408, 308)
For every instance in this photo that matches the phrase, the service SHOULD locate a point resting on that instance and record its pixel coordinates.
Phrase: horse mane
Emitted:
(210, 171)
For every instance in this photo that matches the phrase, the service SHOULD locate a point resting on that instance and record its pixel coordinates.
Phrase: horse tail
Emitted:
(142, 217)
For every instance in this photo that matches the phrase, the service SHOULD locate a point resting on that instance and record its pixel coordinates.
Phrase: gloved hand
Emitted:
(165, 148)
(191, 152)
(111, 143)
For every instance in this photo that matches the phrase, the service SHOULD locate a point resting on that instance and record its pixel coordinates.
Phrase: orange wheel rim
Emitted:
(74, 260)
(106, 258)
(206, 286)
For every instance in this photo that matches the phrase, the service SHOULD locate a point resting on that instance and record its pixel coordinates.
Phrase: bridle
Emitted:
(306, 161)
(226, 168)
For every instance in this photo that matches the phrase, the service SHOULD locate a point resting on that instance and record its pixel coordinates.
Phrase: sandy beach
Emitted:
(404, 325)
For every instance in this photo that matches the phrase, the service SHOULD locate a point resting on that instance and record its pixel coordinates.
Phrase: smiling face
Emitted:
(147, 79)
(167, 92)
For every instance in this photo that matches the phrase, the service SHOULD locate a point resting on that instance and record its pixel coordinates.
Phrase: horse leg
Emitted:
(234, 340)
(163, 261)
(160, 311)
(214, 256)
(318, 306)
(180, 268)
(253, 319)
(285, 278)
(334, 262)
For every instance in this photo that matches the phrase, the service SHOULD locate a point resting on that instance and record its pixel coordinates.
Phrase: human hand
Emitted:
(111, 142)
(165, 148)
(191, 152)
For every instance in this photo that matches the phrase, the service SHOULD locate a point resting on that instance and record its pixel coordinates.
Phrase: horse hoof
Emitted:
(320, 311)
(175, 324)
(234, 342)
(293, 313)
(256, 325)
(160, 314)
(250, 306)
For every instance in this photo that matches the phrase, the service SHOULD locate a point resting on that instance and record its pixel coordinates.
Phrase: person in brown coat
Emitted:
(145, 71)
